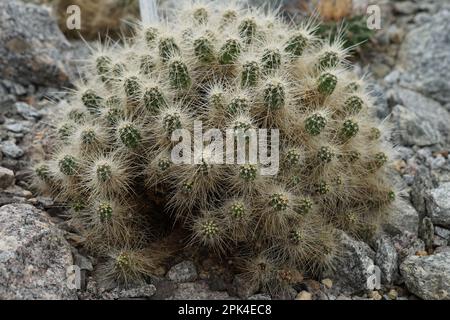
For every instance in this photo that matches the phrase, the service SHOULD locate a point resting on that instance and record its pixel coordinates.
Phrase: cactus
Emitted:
(236, 68)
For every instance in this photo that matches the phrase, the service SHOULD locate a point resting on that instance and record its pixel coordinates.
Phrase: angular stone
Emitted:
(6, 178)
(438, 205)
(183, 272)
(428, 277)
(34, 256)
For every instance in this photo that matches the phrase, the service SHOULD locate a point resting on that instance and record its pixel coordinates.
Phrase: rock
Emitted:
(402, 218)
(442, 249)
(393, 294)
(328, 283)
(144, 292)
(260, 297)
(375, 295)
(407, 244)
(355, 266)
(414, 122)
(386, 259)
(405, 7)
(6, 178)
(438, 205)
(428, 277)
(197, 291)
(183, 272)
(304, 295)
(83, 262)
(34, 256)
(30, 45)
(424, 58)
(27, 112)
(442, 232)
(10, 149)
(243, 288)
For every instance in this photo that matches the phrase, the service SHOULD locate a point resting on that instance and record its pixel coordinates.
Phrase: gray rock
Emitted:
(438, 205)
(244, 288)
(425, 58)
(30, 45)
(34, 256)
(442, 250)
(442, 232)
(26, 111)
(407, 244)
(197, 291)
(354, 267)
(6, 178)
(419, 120)
(260, 297)
(386, 259)
(183, 272)
(10, 149)
(428, 277)
(143, 292)
(402, 218)
(83, 262)
(405, 7)
(16, 127)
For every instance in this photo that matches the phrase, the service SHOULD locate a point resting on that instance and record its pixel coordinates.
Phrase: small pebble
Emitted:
(304, 295)
(328, 283)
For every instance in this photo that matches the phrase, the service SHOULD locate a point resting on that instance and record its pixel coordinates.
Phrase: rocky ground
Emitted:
(409, 64)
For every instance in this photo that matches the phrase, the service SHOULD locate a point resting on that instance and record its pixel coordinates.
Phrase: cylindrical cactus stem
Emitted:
(65, 130)
(380, 159)
(204, 49)
(279, 202)
(323, 188)
(200, 15)
(296, 44)
(271, 60)
(164, 164)
(293, 157)
(129, 135)
(250, 74)
(150, 35)
(179, 75)
(228, 17)
(237, 104)
(154, 99)
(104, 172)
(375, 134)
(349, 129)
(274, 95)
(353, 105)
(328, 59)
(315, 124)
(304, 206)
(237, 210)
(42, 171)
(248, 172)
(103, 65)
(171, 122)
(147, 64)
(92, 101)
(230, 51)
(296, 237)
(247, 30)
(325, 155)
(326, 83)
(105, 211)
(132, 88)
(68, 165)
(168, 48)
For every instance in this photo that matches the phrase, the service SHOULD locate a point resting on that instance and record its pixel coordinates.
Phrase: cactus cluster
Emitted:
(229, 66)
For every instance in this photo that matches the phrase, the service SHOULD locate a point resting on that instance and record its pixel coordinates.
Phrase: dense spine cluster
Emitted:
(228, 66)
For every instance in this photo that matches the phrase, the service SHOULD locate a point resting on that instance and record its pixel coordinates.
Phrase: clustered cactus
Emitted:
(229, 66)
